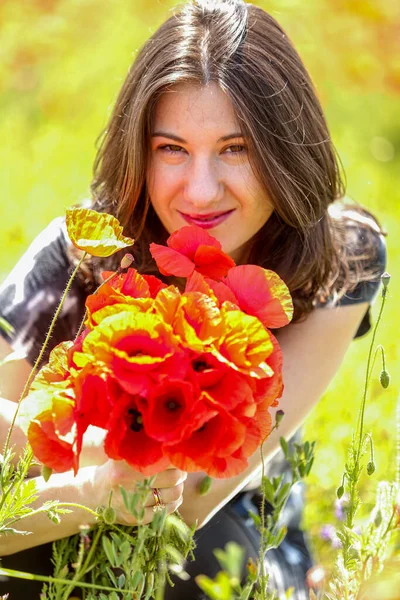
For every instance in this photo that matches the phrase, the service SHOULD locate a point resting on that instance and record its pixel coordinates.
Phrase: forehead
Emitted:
(187, 107)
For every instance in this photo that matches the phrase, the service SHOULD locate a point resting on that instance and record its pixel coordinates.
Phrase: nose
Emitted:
(204, 186)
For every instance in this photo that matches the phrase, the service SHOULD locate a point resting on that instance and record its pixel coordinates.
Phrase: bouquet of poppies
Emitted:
(182, 378)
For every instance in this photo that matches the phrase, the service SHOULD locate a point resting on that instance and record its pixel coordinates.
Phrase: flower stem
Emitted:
(44, 509)
(45, 579)
(85, 565)
(360, 423)
(42, 351)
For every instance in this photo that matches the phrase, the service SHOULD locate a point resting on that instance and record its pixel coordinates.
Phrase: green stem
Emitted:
(83, 569)
(362, 411)
(44, 509)
(262, 517)
(32, 577)
(360, 424)
(42, 351)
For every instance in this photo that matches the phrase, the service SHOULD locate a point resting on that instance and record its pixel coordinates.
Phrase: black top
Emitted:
(28, 299)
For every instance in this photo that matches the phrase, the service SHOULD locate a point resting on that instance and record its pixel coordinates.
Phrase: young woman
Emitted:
(218, 125)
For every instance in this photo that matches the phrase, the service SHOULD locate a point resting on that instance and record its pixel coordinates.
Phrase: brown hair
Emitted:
(245, 51)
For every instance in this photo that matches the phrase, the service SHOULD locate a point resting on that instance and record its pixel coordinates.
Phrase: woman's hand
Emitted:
(114, 474)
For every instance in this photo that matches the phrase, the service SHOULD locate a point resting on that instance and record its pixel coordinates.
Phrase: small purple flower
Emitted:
(328, 533)
(340, 507)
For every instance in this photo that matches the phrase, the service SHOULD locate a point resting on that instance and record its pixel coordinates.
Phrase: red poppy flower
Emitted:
(127, 439)
(207, 369)
(191, 248)
(221, 435)
(261, 293)
(96, 392)
(231, 390)
(174, 409)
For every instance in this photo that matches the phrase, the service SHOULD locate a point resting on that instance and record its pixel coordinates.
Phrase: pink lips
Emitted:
(207, 221)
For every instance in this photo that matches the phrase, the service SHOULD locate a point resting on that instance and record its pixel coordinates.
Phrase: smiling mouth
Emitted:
(208, 216)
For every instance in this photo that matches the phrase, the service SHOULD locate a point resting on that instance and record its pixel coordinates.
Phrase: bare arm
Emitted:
(90, 487)
(313, 351)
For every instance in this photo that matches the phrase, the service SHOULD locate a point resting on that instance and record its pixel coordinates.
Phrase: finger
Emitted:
(169, 508)
(169, 478)
(128, 519)
(167, 495)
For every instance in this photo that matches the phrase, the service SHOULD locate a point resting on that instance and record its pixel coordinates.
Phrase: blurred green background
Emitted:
(62, 63)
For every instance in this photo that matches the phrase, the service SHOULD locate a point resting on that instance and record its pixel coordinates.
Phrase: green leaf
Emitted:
(125, 550)
(255, 517)
(125, 497)
(137, 579)
(284, 446)
(269, 491)
(231, 559)
(283, 493)
(109, 550)
(112, 577)
(218, 589)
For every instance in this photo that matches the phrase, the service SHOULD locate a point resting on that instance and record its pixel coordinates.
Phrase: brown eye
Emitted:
(171, 148)
(236, 149)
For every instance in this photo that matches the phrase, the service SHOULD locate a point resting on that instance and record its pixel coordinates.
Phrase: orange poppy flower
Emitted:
(245, 344)
(139, 348)
(51, 436)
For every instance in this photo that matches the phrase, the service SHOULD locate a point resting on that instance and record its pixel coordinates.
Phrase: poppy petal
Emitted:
(261, 293)
(212, 262)
(171, 262)
(187, 239)
(99, 234)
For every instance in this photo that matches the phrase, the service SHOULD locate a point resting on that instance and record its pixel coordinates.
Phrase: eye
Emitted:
(236, 149)
(171, 148)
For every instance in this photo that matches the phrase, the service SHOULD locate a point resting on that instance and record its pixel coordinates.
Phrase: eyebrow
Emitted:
(176, 138)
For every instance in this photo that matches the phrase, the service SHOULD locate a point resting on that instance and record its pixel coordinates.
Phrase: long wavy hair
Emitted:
(311, 240)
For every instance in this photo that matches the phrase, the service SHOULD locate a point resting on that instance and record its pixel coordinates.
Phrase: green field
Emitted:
(61, 65)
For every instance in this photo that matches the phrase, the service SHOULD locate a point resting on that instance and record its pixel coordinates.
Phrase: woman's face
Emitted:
(199, 171)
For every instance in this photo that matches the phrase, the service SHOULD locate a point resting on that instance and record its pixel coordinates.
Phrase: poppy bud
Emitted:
(205, 485)
(278, 417)
(340, 491)
(46, 472)
(109, 515)
(378, 519)
(385, 278)
(370, 467)
(126, 261)
(384, 379)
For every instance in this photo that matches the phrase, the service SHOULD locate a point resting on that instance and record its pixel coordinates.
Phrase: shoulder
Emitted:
(359, 233)
(46, 254)
(361, 245)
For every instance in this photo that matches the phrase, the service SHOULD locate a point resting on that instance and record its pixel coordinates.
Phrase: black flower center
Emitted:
(172, 404)
(136, 419)
(200, 365)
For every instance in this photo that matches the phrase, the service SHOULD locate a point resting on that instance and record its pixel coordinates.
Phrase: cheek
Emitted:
(163, 183)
